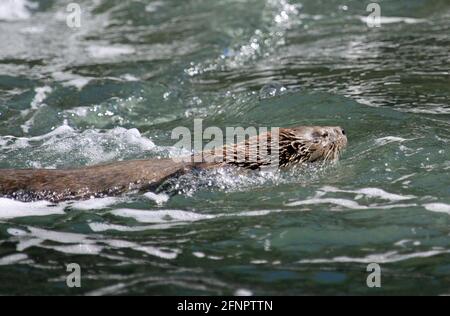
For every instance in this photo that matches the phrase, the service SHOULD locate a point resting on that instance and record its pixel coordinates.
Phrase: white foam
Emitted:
(157, 252)
(171, 217)
(388, 257)
(36, 104)
(165, 219)
(403, 178)
(81, 111)
(108, 290)
(154, 6)
(60, 237)
(41, 95)
(243, 292)
(16, 232)
(74, 243)
(102, 227)
(340, 202)
(14, 209)
(109, 51)
(129, 77)
(351, 204)
(33, 30)
(151, 250)
(430, 109)
(28, 243)
(403, 242)
(390, 139)
(372, 193)
(162, 216)
(133, 136)
(393, 19)
(13, 10)
(12, 259)
(67, 147)
(253, 213)
(258, 261)
(95, 204)
(23, 142)
(36, 237)
(80, 249)
(379, 193)
(388, 207)
(160, 199)
(78, 83)
(69, 79)
(438, 207)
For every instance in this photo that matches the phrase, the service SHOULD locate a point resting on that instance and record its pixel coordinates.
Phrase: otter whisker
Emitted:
(328, 154)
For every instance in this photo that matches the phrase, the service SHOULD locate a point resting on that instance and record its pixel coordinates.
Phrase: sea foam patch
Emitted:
(95, 204)
(69, 79)
(103, 227)
(438, 207)
(393, 19)
(371, 193)
(36, 104)
(65, 146)
(169, 219)
(162, 216)
(80, 244)
(388, 257)
(383, 200)
(159, 199)
(10, 209)
(339, 202)
(390, 139)
(343, 204)
(12, 259)
(14, 10)
(164, 219)
(109, 51)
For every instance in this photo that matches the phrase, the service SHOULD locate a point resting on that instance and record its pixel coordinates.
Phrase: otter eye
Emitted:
(325, 134)
(343, 131)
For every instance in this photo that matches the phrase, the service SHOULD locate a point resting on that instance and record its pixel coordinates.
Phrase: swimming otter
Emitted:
(295, 145)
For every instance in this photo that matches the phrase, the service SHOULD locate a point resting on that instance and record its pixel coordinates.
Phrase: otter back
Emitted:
(83, 183)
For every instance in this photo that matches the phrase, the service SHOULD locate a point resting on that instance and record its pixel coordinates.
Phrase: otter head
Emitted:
(311, 144)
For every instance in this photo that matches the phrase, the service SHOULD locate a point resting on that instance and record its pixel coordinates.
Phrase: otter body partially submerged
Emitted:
(293, 146)
(84, 183)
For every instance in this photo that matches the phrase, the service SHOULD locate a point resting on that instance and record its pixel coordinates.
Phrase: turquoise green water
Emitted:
(116, 87)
